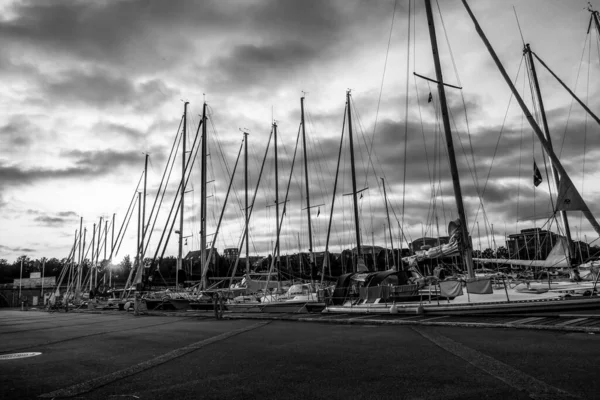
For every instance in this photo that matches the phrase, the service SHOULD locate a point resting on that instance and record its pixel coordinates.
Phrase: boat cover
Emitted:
(480, 286)
(341, 289)
(390, 277)
(451, 288)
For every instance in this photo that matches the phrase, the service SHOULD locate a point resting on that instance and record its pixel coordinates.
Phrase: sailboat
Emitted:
(380, 294)
(272, 296)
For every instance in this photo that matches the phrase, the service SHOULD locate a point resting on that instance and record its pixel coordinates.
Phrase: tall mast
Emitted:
(310, 243)
(98, 253)
(354, 192)
(112, 248)
(563, 214)
(565, 180)
(278, 255)
(335, 182)
(79, 283)
(92, 265)
(246, 202)
(180, 253)
(105, 236)
(223, 211)
(78, 286)
(144, 206)
(139, 247)
(203, 178)
(388, 224)
(466, 244)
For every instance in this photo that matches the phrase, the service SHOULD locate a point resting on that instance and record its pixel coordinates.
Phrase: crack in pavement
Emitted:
(513, 377)
(93, 384)
(88, 335)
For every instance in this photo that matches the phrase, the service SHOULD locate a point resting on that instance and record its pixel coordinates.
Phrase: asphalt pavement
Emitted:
(122, 356)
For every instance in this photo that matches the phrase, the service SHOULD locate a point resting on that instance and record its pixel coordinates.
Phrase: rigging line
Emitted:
(587, 101)
(369, 159)
(188, 168)
(572, 99)
(538, 114)
(520, 164)
(164, 192)
(128, 210)
(366, 167)
(175, 144)
(251, 207)
(406, 97)
(534, 189)
(498, 142)
(519, 25)
(383, 74)
(320, 168)
(476, 179)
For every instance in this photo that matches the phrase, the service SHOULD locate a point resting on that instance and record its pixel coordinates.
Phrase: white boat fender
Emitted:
(393, 309)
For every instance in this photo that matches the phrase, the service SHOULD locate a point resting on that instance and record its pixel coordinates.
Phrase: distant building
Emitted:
(196, 256)
(231, 253)
(531, 244)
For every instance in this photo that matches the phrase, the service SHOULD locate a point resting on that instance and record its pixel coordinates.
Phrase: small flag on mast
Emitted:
(430, 98)
(537, 175)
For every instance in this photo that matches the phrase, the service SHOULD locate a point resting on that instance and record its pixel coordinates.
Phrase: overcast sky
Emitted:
(87, 88)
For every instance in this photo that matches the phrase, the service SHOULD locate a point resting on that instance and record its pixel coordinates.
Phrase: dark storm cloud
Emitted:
(87, 164)
(106, 161)
(11, 174)
(251, 65)
(112, 129)
(18, 132)
(102, 88)
(17, 249)
(50, 221)
(121, 32)
(117, 32)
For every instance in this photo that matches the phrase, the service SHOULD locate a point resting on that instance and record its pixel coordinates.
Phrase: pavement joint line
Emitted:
(431, 319)
(513, 377)
(525, 320)
(412, 317)
(360, 317)
(591, 330)
(95, 383)
(62, 326)
(35, 321)
(571, 321)
(85, 336)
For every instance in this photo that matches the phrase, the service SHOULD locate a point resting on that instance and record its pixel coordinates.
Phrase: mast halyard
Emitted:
(278, 255)
(310, 243)
(465, 242)
(354, 192)
(203, 178)
(80, 264)
(92, 266)
(595, 16)
(246, 203)
(563, 213)
(180, 252)
(144, 211)
(389, 226)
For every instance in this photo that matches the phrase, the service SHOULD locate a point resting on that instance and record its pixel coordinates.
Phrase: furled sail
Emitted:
(556, 259)
(445, 250)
